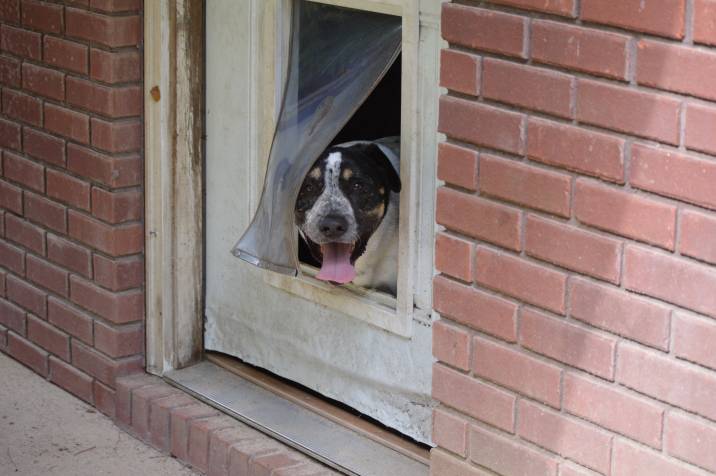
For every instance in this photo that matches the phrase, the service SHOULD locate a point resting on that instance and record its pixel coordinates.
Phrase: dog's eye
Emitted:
(308, 188)
(357, 186)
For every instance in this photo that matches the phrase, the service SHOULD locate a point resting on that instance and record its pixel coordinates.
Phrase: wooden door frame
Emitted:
(173, 118)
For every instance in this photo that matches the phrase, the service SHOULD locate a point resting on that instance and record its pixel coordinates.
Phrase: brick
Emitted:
(577, 149)
(104, 399)
(70, 319)
(21, 42)
(71, 379)
(670, 279)
(457, 165)
(109, 101)
(74, 257)
(574, 249)
(622, 109)
(10, 197)
(68, 189)
(676, 68)
(13, 317)
(43, 146)
(12, 258)
(114, 240)
(24, 172)
(45, 212)
(65, 54)
(555, 7)
(521, 279)
(110, 171)
(68, 123)
(460, 71)
(453, 256)
(443, 464)
(697, 230)
(25, 234)
(451, 345)
(525, 185)
(705, 21)
(482, 29)
(9, 135)
(506, 456)
(653, 374)
(614, 409)
(649, 16)
(47, 276)
(630, 459)
(114, 6)
(10, 11)
(527, 87)
(199, 433)
(117, 136)
(674, 175)
(481, 125)
(43, 81)
(27, 296)
(472, 397)
(449, 432)
(3, 339)
(42, 16)
(49, 338)
(27, 353)
(9, 72)
(117, 207)
(160, 418)
(565, 436)
(119, 341)
(115, 66)
(621, 313)
(268, 464)
(123, 396)
(119, 275)
(568, 343)
(694, 338)
(119, 308)
(477, 309)
(112, 31)
(583, 49)
(700, 123)
(479, 218)
(180, 419)
(220, 443)
(517, 371)
(241, 456)
(22, 107)
(142, 399)
(626, 214)
(690, 440)
(103, 368)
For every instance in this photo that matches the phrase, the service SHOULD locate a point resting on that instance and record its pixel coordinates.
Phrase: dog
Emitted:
(347, 213)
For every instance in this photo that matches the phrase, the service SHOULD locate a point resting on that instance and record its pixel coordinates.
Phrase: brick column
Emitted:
(577, 263)
(71, 234)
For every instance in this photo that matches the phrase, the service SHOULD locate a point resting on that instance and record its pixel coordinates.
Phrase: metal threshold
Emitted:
(299, 421)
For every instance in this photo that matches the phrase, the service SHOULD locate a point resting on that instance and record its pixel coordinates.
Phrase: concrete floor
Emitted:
(46, 431)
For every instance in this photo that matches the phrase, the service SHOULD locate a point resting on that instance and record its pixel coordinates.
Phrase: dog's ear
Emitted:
(382, 164)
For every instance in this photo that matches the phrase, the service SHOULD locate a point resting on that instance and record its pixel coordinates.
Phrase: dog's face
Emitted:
(342, 201)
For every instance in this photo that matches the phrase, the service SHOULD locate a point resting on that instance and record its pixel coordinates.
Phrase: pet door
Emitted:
(337, 57)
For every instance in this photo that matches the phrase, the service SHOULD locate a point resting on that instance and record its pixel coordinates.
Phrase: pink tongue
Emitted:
(337, 265)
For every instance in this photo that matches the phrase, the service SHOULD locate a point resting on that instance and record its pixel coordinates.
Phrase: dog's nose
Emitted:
(333, 226)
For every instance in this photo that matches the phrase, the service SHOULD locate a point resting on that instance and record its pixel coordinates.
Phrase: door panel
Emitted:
(380, 373)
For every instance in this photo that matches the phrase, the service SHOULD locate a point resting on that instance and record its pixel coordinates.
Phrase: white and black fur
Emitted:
(351, 195)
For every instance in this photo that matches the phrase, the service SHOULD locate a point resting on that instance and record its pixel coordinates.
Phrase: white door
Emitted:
(368, 351)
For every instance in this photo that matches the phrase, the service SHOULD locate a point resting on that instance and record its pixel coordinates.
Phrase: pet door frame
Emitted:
(418, 102)
(174, 155)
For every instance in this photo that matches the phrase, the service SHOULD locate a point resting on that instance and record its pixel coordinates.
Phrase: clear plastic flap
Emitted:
(337, 57)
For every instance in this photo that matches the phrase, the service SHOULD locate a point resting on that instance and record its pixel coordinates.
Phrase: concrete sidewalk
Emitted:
(46, 431)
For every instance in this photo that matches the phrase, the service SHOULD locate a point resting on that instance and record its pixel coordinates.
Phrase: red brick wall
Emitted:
(71, 237)
(578, 260)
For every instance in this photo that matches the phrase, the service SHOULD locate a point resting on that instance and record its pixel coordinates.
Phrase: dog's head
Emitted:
(342, 201)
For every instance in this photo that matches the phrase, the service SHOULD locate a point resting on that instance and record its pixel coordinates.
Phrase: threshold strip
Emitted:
(316, 435)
